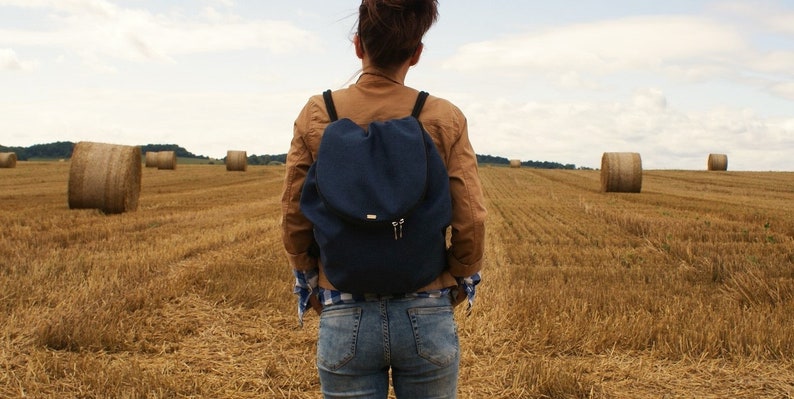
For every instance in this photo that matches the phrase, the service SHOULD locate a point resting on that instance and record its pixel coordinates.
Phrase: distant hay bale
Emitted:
(151, 159)
(515, 163)
(718, 162)
(166, 160)
(236, 161)
(105, 177)
(621, 172)
(8, 160)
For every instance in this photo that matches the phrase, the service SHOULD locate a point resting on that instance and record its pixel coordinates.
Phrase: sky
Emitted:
(560, 81)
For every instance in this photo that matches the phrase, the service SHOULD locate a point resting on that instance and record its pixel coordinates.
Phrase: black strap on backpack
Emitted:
(420, 103)
(329, 104)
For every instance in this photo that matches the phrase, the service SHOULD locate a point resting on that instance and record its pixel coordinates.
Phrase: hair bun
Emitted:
(391, 30)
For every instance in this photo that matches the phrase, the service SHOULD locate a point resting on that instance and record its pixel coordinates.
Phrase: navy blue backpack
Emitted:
(380, 204)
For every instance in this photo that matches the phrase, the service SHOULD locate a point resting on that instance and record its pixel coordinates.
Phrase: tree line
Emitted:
(63, 150)
(497, 160)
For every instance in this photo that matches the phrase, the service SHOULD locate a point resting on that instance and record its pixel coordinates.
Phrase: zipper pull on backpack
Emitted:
(398, 228)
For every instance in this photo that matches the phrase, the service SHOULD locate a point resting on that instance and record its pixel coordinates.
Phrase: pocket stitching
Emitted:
(351, 351)
(420, 347)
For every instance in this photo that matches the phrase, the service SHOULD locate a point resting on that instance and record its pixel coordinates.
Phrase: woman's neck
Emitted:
(396, 75)
(382, 75)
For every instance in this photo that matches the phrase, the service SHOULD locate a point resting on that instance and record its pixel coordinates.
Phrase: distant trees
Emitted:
(178, 151)
(183, 153)
(266, 159)
(58, 150)
(63, 150)
(490, 159)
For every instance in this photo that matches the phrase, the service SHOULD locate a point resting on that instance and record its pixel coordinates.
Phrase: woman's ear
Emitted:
(359, 46)
(417, 54)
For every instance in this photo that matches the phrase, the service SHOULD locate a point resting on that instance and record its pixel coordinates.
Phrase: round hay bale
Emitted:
(166, 160)
(105, 177)
(8, 160)
(236, 161)
(515, 163)
(621, 172)
(151, 159)
(718, 162)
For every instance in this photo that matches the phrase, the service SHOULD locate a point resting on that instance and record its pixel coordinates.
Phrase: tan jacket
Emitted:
(376, 98)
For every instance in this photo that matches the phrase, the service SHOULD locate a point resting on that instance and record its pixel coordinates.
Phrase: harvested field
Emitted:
(685, 290)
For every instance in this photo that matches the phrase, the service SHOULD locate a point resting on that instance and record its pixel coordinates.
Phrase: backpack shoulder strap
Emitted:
(420, 103)
(329, 105)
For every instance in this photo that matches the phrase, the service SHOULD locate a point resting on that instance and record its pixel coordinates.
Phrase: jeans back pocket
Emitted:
(436, 334)
(338, 336)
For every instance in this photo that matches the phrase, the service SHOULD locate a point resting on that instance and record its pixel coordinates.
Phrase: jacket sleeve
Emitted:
(297, 233)
(467, 242)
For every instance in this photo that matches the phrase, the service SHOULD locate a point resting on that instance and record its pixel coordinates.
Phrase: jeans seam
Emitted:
(384, 317)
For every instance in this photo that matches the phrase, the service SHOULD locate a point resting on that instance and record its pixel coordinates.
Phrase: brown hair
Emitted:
(390, 31)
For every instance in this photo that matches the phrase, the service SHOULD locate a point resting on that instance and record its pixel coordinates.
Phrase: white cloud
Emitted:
(784, 89)
(772, 29)
(649, 99)
(9, 61)
(699, 72)
(97, 29)
(635, 43)
(775, 62)
(764, 13)
(685, 49)
(587, 65)
(575, 80)
(782, 22)
(666, 137)
(225, 3)
(82, 6)
(204, 122)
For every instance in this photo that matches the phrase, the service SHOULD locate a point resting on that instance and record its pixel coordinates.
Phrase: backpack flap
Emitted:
(375, 176)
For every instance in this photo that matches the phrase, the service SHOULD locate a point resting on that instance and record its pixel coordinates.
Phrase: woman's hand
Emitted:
(459, 296)
(315, 303)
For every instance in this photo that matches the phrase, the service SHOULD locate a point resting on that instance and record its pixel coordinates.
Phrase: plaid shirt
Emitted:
(306, 285)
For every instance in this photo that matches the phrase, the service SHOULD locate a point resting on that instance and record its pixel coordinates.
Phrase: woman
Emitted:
(363, 337)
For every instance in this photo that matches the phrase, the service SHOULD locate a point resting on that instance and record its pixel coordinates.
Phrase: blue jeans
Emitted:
(416, 338)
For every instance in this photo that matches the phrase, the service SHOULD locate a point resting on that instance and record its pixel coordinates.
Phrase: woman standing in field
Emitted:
(413, 334)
